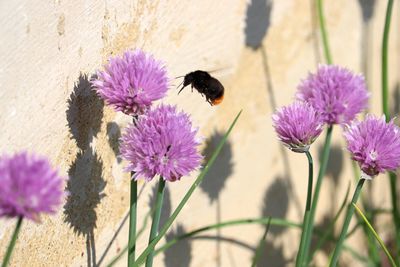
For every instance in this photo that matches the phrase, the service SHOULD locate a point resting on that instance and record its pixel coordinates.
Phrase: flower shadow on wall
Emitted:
(333, 171)
(181, 253)
(84, 113)
(272, 256)
(367, 10)
(275, 204)
(114, 133)
(396, 101)
(216, 177)
(257, 22)
(86, 184)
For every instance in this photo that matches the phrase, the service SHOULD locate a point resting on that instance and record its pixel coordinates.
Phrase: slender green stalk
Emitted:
(185, 199)
(321, 173)
(156, 218)
(272, 221)
(301, 258)
(261, 244)
(372, 246)
(395, 212)
(385, 45)
(263, 221)
(385, 107)
(132, 216)
(349, 214)
(324, 34)
(375, 235)
(132, 221)
(12, 243)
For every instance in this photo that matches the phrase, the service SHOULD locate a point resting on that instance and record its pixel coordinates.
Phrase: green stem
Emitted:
(156, 219)
(12, 242)
(324, 34)
(132, 216)
(385, 107)
(372, 248)
(321, 173)
(349, 214)
(132, 222)
(385, 45)
(376, 236)
(265, 221)
(272, 221)
(396, 215)
(300, 260)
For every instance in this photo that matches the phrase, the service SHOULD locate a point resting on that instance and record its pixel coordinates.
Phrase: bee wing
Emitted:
(221, 70)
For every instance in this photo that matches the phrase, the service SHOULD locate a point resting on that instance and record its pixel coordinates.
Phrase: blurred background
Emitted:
(259, 50)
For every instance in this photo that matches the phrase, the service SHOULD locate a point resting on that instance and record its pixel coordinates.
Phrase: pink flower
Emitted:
(374, 144)
(162, 142)
(335, 93)
(297, 126)
(28, 186)
(130, 84)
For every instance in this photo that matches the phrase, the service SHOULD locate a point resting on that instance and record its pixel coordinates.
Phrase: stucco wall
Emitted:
(49, 50)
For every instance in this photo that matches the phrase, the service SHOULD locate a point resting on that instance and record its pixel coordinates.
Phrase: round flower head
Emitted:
(130, 84)
(162, 142)
(28, 186)
(297, 126)
(374, 144)
(334, 92)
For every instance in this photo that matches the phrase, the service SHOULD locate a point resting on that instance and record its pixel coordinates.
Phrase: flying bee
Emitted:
(206, 85)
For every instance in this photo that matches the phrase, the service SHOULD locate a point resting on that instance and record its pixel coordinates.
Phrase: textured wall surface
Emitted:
(259, 49)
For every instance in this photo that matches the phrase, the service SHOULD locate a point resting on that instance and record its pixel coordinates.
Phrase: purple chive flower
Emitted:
(335, 92)
(297, 126)
(374, 144)
(132, 82)
(28, 186)
(162, 142)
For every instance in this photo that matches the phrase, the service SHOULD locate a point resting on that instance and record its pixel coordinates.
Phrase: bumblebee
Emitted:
(206, 85)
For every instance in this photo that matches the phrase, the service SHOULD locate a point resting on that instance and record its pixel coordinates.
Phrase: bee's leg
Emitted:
(192, 88)
(183, 87)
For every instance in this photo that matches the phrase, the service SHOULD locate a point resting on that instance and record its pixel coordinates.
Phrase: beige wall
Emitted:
(49, 50)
